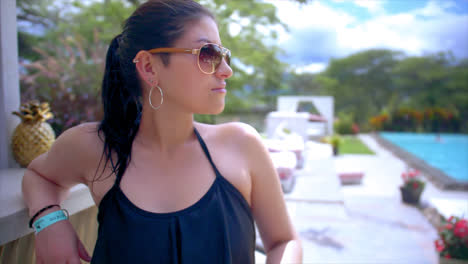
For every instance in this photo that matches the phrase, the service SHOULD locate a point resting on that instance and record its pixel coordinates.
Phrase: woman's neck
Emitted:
(165, 130)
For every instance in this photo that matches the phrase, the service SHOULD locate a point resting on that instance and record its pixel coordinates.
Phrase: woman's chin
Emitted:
(219, 111)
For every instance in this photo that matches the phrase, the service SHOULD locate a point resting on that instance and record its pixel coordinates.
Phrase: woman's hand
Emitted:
(59, 244)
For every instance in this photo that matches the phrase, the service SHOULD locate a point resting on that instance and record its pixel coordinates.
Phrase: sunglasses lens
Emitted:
(228, 57)
(210, 58)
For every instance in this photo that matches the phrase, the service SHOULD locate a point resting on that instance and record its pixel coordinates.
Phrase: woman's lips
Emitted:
(219, 90)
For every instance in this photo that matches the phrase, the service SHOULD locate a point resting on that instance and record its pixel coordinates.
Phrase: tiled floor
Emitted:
(363, 230)
(365, 223)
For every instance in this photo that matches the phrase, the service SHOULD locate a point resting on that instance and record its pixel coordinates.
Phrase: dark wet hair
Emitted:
(154, 24)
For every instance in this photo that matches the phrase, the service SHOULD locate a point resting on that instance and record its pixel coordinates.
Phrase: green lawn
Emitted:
(353, 145)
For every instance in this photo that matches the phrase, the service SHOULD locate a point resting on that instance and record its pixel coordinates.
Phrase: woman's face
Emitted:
(184, 84)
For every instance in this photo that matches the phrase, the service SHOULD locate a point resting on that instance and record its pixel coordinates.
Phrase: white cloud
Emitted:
(395, 31)
(410, 32)
(307, 20)
(373, 6)
(318, 32)
(435, 8)
(311, 68)
(314, 14)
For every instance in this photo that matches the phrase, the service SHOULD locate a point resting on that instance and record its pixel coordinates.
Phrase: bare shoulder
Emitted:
(248, 144)
(245, 136)
(238, 136)
(241, 129)
(72, 156)
(232, 132)
(82, 140)
(80, 132)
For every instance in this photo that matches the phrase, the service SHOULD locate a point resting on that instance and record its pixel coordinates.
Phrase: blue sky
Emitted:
(324, 29)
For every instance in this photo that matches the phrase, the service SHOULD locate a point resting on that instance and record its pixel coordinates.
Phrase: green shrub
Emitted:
(343, 125)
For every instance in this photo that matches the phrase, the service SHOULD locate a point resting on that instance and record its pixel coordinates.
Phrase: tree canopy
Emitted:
(372, 82)
(73, 38)
(62, 46)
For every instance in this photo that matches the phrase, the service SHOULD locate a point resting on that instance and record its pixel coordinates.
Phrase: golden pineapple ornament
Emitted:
(33, 136)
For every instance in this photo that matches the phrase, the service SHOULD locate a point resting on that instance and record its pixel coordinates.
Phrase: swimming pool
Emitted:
(449, 154)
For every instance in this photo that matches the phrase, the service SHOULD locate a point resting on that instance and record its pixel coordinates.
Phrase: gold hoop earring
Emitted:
(149, 97)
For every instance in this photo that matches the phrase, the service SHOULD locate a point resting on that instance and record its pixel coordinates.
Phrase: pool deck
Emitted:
(366, 222)
(446, 201)
(437, 176)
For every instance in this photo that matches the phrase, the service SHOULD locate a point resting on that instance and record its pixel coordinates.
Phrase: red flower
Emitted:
(448, 226)
(439, 244)
(415, 185)
(461, 228)
(453, 235)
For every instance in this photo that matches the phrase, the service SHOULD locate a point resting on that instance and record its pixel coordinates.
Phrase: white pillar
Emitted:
(9, 80)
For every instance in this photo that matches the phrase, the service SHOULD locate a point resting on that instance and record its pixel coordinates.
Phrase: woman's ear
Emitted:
(146, 66)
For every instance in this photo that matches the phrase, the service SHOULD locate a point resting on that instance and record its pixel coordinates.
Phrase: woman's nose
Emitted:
(224, 71)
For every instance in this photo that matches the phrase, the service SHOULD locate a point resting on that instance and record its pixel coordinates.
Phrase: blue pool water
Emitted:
(450, 154)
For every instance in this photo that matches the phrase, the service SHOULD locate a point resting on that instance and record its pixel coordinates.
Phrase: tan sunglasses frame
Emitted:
(188, 51)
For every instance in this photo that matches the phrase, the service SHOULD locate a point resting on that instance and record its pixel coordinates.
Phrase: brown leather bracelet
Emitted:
(40, 211)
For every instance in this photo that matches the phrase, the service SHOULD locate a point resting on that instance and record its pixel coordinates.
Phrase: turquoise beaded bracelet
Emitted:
(49, 219)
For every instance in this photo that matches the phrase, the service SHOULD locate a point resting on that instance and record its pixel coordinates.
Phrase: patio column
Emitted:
(9, 80)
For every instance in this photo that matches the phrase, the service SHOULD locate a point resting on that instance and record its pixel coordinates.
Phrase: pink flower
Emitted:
(413, 173)
(439, 244)
(404, 175)
(448, 226)
(415, 185)
(461, 228)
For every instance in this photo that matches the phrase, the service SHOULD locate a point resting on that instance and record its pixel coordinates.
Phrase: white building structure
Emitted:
(287, 116)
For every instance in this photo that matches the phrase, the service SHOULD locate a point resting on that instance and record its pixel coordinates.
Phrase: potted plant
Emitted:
(412, 187)
(452, 244)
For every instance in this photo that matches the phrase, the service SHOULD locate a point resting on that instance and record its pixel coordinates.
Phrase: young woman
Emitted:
(168, 189)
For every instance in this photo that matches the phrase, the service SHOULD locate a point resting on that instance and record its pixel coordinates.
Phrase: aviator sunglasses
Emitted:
(209, 56)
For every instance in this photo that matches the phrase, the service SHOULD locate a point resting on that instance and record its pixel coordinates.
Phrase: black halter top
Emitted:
(218, 228)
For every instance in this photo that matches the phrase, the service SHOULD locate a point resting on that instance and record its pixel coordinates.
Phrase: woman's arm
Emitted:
(49, 177)
(287, 252)
(47, 181)
(281, 242)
